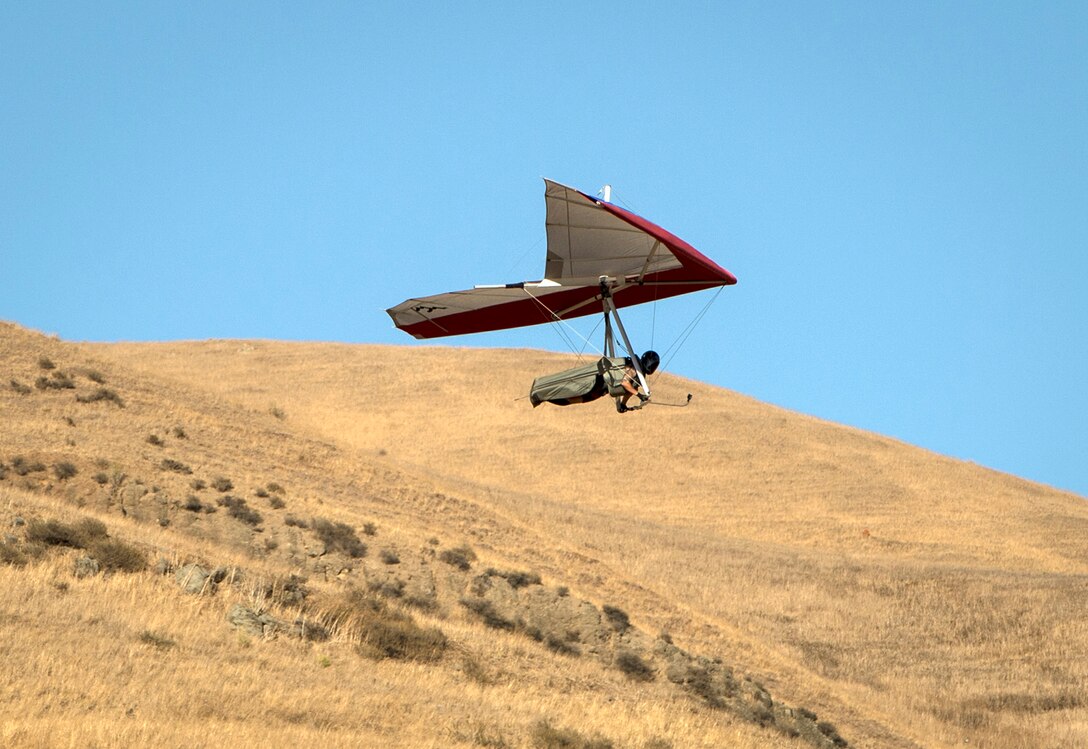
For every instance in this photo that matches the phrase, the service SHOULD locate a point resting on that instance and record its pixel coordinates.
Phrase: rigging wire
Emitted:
(558, 323)
(682, 338)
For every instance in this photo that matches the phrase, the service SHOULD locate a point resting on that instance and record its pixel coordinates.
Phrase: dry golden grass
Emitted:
(911, 599)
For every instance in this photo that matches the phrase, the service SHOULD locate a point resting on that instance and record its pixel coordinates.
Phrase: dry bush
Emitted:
(388, 556)
(547, 736)
(117, 555)
(616, 617)
(156, 440)
(169, 464)
(222, 484)
(20, 388)
(338, 537)
(382, 631)
(460, 557)
(78, 535)
(239, 510)
(486, 611)
(515, 578)
(102, 394)
(295, 522)
(64, 471)
(634, 667)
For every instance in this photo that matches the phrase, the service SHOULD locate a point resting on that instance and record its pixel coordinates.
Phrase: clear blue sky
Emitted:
(901, 188)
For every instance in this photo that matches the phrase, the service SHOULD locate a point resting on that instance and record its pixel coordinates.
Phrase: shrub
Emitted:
(384, 632)
(294, 522)
(198, 484)
(95, 376)
(119, 556)
(391, 636)
(617, 618)
(277, 412)
(388, 556)
(156, 440)
(102, 394)
(20, 388)
(460, 557)
(64, 471)
(59, 381)
(12, 554)
(239, 510)
(155, 640)
(179, 433)
(370, 529)
(486, 611)
(561, 646)
(547, 736)
(44, 362)
(634, 667)
(276, 503)
(829, 730)
(274, 487)
(22, 466)
(192, 504)
(338, 537)
(516, 579)
(169, 464)
(222, 484)
(79, 535)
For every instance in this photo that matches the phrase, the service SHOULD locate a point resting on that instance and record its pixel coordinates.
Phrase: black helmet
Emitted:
(649, 361)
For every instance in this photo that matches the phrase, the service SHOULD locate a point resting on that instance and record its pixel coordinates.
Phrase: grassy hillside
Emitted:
(768, 566)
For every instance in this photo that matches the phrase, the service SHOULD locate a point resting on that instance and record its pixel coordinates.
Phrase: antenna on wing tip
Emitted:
(606, 193)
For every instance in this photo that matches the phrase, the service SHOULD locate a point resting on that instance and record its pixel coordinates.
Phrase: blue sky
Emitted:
(902, 189)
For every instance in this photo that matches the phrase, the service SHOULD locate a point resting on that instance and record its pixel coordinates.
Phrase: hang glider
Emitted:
(599, 257)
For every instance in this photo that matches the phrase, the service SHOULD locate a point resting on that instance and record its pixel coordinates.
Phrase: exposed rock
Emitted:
(195, 579)
(265, 625)
(87, 567)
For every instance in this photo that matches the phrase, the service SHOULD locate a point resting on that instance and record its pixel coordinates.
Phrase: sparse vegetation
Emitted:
(179, 433)
(20, 388)
(370, 529)
(46, 363)
(338, 537)
(295, 522)
(198, 485)
(276, 503)
(156, 440)
(222, 484)
(460, 557)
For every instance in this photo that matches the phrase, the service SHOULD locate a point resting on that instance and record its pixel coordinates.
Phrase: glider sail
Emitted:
(589, 242)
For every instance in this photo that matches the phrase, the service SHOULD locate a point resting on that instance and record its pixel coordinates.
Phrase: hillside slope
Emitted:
(914, 600)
